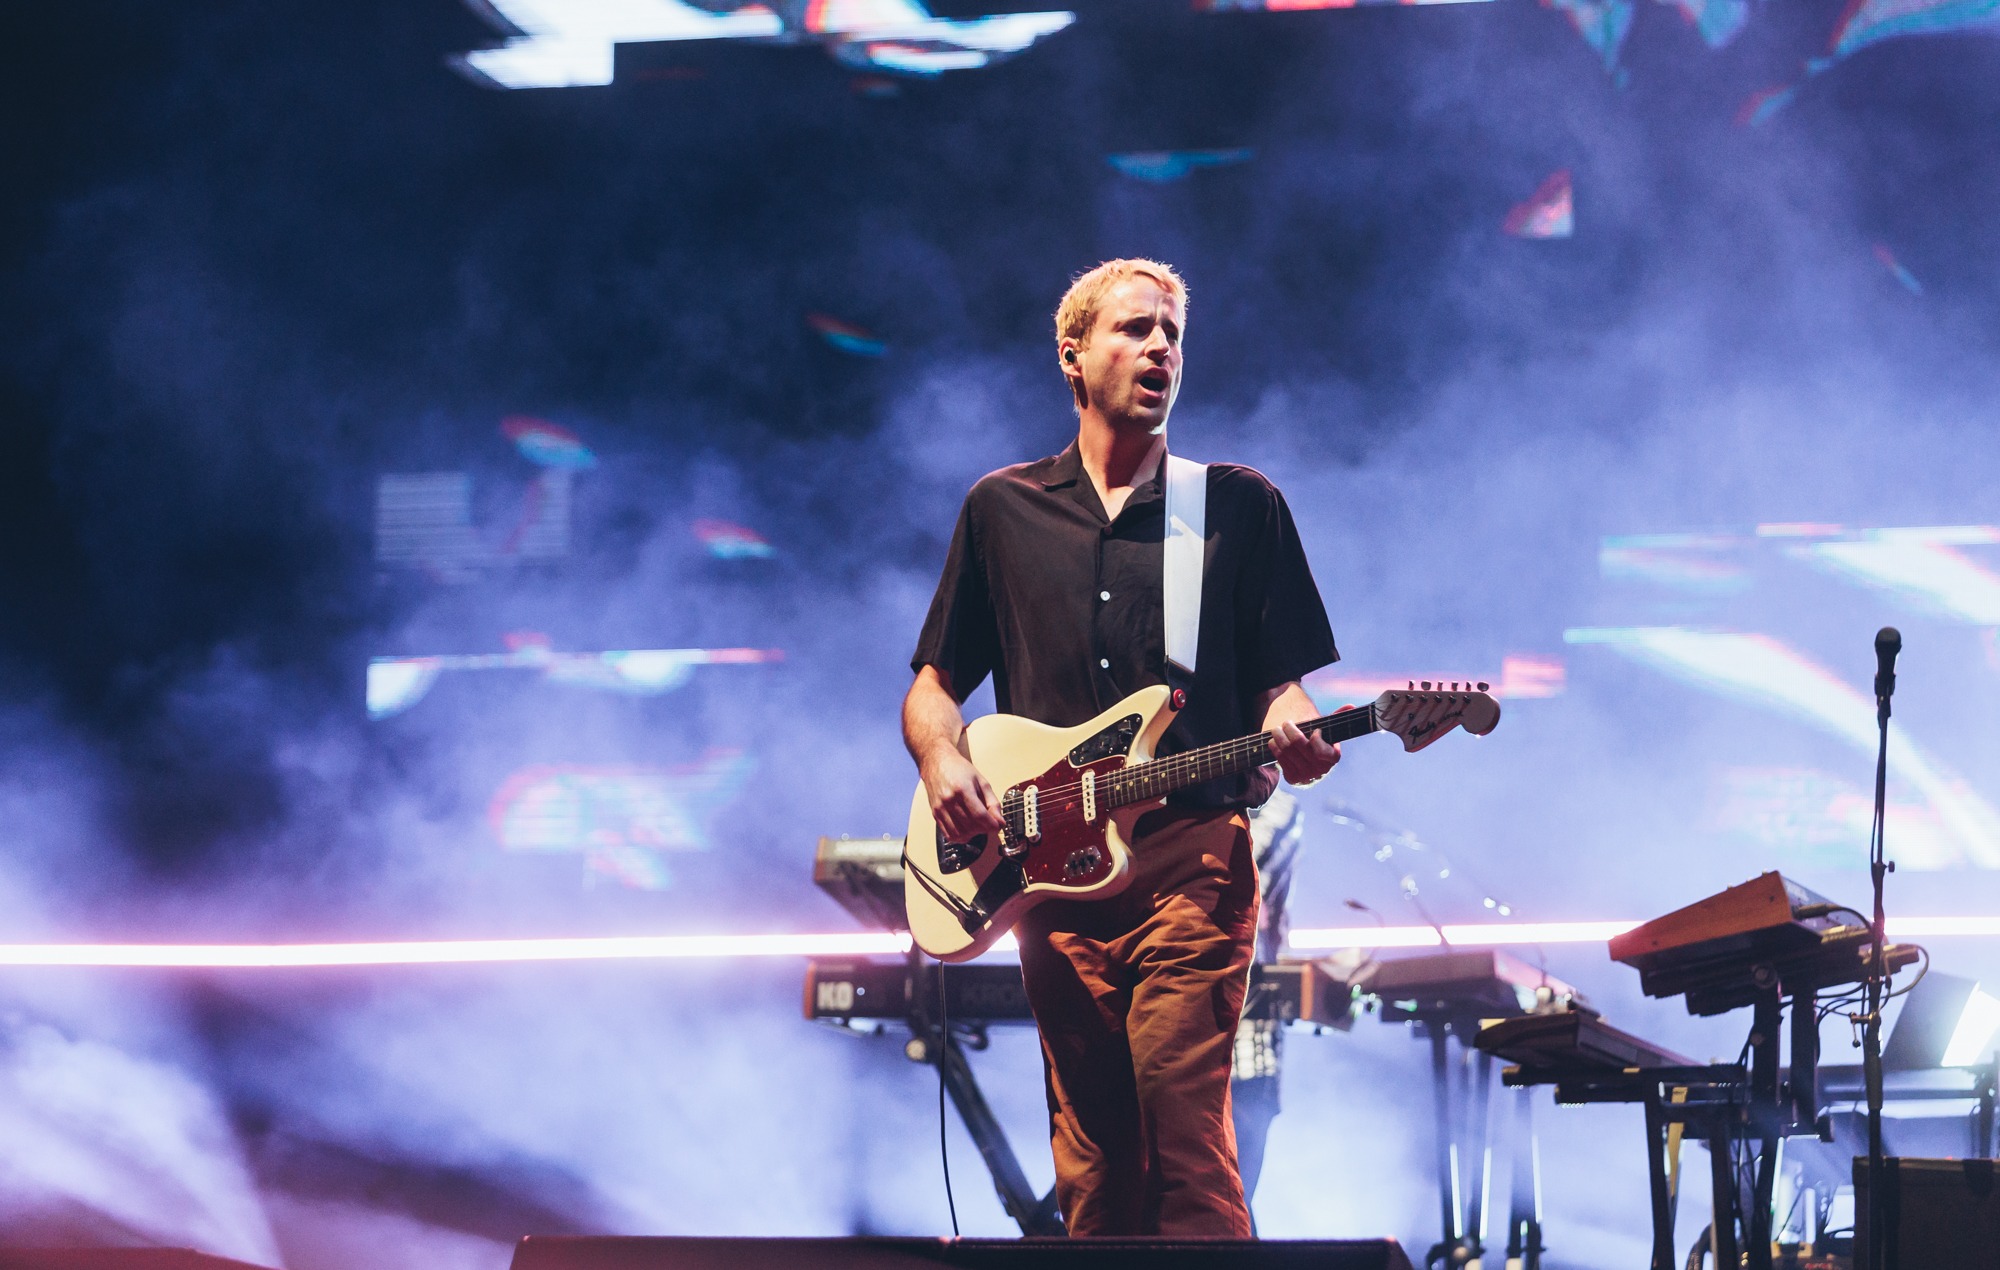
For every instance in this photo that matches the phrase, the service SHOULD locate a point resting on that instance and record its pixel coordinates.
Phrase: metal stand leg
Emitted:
(1727, 1200)
(1461, 1143)
(1982, 1117)
(1447, 1164)
(1770, 1112)
(1736, 1212)
(1660, 1148)
(1804, 1070)
(1757, 1227)
(1478, 1158)
(1524, 1210)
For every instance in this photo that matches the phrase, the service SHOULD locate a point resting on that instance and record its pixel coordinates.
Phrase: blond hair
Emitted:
(1078, 311)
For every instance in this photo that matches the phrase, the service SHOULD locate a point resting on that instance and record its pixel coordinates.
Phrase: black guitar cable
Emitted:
(943, 894)
(937, 890)
(944, 1151)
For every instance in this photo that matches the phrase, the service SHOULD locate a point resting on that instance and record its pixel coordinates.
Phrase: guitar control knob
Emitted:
(956, 857)
(1083, 861)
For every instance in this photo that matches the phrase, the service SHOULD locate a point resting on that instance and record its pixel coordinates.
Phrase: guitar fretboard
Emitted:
(1163, 776)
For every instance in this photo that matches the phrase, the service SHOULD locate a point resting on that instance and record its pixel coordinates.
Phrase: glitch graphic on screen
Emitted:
(1753, 616)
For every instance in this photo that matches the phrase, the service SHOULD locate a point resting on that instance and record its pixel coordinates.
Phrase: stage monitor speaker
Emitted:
(549, 1253)
(1939, 1214)
(115, 1259)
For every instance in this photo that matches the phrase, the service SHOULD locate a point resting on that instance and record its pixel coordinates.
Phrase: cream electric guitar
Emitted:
(1070, 797)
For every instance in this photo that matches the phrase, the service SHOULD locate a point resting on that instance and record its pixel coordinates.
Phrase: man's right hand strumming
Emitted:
(961, 800)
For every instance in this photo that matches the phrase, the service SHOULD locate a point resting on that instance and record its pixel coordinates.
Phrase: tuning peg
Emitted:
(1482, 687)
(1427, 685)
(1413, 685)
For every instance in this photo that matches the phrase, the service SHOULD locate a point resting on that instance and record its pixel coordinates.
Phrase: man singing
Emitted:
(1054, 585)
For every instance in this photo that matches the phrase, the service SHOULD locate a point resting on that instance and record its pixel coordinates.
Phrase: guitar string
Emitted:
(1195, 763)
(1173, 766)
(1123, 782)
(1191, 762)
(1132, 784)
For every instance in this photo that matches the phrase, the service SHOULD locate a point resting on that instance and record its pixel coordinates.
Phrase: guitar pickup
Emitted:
(1031, 814)
(1090, 798)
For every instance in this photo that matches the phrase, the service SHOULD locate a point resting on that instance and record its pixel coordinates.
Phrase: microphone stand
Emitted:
(1887, 644)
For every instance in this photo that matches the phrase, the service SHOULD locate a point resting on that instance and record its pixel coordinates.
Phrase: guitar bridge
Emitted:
(1023, 810)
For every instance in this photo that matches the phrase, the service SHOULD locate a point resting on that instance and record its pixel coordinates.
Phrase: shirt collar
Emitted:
(1067, 473)
(1066, 469)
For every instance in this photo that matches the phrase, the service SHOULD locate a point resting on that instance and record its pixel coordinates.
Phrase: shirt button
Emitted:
(1104, 663)
(1104, 595)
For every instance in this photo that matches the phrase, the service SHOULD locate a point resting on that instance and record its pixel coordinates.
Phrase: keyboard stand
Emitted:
(1461, 1095)
(1707, 1102)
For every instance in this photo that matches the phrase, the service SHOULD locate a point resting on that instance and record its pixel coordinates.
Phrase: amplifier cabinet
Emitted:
(1939, 1215)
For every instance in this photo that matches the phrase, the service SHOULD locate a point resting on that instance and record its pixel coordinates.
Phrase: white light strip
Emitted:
(1332, 937)
(1484, 935)
(1914, 927)
(443, 952)
(1496, 934)
(453, 951)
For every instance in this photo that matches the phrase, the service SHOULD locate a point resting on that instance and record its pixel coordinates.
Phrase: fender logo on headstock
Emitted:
(1420, 717)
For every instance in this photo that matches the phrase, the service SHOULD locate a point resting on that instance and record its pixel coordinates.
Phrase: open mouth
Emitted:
(1156, 380)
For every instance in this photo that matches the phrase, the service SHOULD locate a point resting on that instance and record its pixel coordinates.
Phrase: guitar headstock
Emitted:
(1422, 715)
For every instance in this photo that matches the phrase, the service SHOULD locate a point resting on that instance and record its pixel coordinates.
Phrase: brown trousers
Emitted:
(1137, 998)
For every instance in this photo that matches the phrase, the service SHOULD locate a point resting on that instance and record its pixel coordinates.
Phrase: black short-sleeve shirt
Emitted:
(1064, 609)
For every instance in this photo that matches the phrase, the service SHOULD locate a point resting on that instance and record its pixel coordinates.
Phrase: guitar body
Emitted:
(1071, 857)
(1070, 797)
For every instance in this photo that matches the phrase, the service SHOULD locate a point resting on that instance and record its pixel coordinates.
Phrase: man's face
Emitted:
(1131, 364)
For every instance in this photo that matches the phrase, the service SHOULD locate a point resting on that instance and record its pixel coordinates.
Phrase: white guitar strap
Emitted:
(1186, 487)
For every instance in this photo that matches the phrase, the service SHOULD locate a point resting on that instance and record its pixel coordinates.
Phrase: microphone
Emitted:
(1888, 642)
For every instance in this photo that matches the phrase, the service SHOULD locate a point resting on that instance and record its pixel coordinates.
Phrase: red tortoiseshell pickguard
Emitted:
(1064, 831)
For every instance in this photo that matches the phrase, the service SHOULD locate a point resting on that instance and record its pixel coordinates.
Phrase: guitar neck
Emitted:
(1164, 776)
